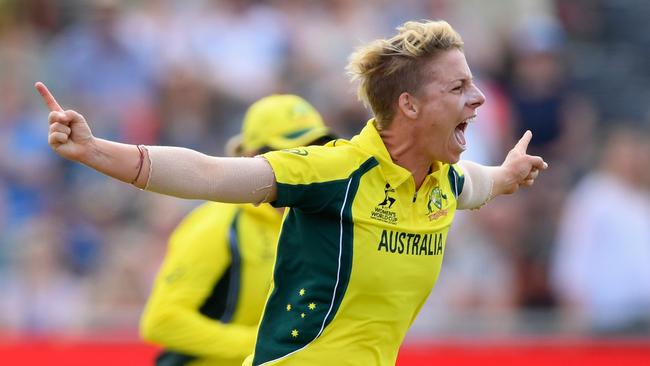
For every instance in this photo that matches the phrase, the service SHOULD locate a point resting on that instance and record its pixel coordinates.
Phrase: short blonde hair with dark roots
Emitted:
(386, 68)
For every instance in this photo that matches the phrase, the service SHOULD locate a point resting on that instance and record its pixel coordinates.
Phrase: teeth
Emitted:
(470, 120)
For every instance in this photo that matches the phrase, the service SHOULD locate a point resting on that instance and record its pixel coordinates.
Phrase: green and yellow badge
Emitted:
(437, 200)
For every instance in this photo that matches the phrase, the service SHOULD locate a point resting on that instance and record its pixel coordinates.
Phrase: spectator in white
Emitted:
(600, 270)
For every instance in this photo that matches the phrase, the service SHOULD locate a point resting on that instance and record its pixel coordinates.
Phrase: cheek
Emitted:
(451, 108)
(461, 103)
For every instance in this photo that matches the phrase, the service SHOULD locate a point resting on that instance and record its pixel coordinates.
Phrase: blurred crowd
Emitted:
(78, 252)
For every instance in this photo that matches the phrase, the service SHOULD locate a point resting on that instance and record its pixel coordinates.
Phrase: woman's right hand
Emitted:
(69, 134)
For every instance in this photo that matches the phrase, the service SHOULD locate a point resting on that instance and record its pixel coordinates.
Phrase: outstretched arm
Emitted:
(172, 171)
(483, 183)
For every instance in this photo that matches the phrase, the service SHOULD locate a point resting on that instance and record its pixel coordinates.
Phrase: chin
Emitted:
(452, 158)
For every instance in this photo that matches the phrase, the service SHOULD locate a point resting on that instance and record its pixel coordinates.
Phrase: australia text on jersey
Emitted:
(410, 243)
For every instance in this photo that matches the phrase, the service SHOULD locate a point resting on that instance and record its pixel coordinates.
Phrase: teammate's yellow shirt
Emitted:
(359, 252)
(210, 291)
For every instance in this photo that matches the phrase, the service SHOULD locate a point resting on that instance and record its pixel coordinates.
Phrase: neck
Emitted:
(400, 138)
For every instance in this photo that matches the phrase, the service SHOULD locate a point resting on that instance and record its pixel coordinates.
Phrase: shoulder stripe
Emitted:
(338, 273)
(456, 181)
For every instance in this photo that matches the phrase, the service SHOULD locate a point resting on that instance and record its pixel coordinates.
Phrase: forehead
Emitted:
(449, 66)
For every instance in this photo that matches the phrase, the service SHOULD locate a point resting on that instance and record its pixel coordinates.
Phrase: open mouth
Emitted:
(459, 132)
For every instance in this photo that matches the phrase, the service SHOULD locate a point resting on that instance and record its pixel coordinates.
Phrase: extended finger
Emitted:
(523, 142)
(48, 98)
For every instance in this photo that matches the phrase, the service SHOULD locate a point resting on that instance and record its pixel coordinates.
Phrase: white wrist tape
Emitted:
(477, 190)
(186, 173)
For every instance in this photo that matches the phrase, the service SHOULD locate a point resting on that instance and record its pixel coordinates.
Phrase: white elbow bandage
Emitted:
(477, 190)
(186, 173)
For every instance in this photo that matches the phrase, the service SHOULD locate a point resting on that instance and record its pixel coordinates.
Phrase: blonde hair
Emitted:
(385, 68)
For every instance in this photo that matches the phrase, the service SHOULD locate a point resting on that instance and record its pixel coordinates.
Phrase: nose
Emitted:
(476, 98)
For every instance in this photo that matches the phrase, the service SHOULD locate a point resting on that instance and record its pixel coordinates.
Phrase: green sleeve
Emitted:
(456, 179)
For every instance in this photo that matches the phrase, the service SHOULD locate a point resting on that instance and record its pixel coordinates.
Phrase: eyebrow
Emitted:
(462, 80)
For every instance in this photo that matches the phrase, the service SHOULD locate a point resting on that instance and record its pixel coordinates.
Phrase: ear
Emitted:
(408, 105)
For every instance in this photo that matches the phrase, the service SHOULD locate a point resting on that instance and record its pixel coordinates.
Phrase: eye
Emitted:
(457, 89)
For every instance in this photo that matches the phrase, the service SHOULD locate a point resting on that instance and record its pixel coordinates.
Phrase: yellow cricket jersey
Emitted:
(210, 291)
(359, 252)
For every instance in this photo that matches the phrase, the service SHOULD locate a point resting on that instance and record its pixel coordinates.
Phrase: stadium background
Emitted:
(78, 252)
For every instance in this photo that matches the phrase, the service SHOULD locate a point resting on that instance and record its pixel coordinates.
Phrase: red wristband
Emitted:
(140, 150)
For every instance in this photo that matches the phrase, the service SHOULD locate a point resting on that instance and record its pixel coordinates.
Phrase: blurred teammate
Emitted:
(350, 274)
(210, 291)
